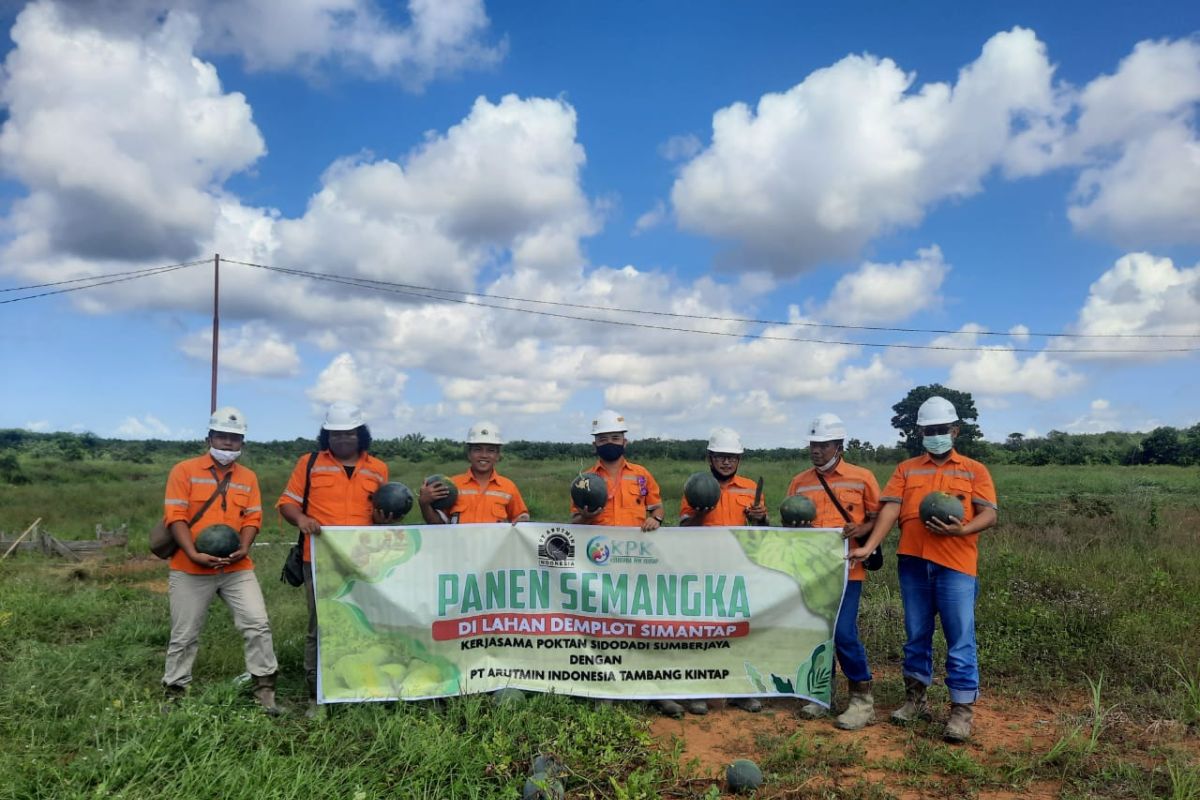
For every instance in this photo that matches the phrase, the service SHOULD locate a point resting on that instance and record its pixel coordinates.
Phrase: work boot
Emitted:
(172, 694)
(813, 711)
(669, 708)
(958, 727)
(697, 707)
(751, 704)
(915, 707)
(861, 711)
(264, 693)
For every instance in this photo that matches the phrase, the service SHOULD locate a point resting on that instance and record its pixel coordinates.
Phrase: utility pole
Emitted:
(216, 325)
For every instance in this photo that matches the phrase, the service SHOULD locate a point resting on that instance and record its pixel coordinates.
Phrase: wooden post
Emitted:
(19, 538)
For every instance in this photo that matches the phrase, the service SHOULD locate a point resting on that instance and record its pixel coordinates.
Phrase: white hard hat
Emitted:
(936, 411)
(343, 416)
(484, 433)
(608, 421)
(725, 440)
(827, 428)
(227, 420)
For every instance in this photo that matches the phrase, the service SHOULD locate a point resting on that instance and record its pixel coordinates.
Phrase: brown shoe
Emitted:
(958, 727)
(915, 706)
(264, 693)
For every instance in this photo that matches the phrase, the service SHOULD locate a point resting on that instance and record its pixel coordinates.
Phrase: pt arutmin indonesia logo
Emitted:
(557, 548)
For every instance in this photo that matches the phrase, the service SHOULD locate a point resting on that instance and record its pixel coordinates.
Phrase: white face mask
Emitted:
(938, 445)
(224, 457)
(830, 464)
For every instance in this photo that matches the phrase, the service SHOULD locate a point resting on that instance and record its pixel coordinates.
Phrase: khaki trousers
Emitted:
(190, 596)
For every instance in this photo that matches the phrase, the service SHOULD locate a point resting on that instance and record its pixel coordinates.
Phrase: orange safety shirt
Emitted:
(966, 479)
(856, 489)
(630, 495)
(737, 495)
(498, 501)
(333, 497)
(190, 485)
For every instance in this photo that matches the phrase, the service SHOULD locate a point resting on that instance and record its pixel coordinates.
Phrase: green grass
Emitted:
(1092, 571)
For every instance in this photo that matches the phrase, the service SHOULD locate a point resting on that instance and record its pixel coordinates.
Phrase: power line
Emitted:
(100, 280)
(132, 272)
(744, 320)
(424, 292)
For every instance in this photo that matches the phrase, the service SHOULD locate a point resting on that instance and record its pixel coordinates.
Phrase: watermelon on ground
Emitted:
(743, 776)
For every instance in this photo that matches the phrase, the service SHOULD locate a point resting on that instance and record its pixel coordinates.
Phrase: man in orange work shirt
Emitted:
(633, 496)
(735, 508)
(197, 577)
(857, 492)
(343, 480)
(937, 564)
(484, 495)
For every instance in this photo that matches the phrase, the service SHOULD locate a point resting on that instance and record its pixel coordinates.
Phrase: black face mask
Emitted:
(610, 452)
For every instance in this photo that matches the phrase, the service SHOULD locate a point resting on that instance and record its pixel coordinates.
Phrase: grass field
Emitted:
(1090, 588)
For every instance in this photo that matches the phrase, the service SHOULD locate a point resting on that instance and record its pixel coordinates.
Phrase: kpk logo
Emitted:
(602, 550)
(557, 548)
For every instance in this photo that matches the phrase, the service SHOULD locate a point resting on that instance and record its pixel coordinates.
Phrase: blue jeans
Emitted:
(850, 651)
(928, 590)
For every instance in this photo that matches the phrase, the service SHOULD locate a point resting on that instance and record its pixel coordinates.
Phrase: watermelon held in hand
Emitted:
(218, 540)
(393, 499)
(589, 491)
(743, 776)
(797, 511)
(702, 490)
(940, 506)
(447, 502)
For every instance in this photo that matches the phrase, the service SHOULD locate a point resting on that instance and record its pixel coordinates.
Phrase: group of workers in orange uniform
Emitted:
(937, 562)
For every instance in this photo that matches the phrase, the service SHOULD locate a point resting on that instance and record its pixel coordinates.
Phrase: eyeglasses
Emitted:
(936, 430)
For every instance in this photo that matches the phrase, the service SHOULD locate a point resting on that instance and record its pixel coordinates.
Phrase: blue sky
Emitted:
(1017, 168)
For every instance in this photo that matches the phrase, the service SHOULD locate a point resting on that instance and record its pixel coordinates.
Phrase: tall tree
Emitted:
(969, 435)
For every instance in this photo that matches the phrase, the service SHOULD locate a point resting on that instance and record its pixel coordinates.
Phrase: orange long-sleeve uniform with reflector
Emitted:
(737, 495)
(630, 494)
(962, 477)
(189, 486)
(855, 488)
(499, 501)
(335, 498)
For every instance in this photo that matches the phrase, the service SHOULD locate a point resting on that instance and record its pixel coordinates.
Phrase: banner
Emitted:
(438, 610)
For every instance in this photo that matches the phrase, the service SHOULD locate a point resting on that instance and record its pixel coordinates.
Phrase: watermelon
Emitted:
(702, 490)
(549, 765)
(540, 786)
(588, 490)
(218, 540)
(393, 499)
(797, 511)
(940, 506)
(743, 776)
(447, 502)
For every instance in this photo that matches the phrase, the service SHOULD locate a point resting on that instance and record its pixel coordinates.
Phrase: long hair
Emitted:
(364, 438)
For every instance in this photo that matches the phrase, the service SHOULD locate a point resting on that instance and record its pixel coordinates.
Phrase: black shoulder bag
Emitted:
(873, 561)
(162, 543)
(293, 566)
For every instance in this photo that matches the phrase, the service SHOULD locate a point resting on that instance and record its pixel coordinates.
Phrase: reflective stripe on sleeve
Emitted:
(295, 497)
(891, 499)
(172, 502)
(251, 510)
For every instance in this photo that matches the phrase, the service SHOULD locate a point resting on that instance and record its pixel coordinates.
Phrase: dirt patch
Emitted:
(909, 763)
(157, 586)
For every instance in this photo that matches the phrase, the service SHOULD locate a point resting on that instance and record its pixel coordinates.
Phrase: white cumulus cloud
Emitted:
(877, 293)
(254, 349)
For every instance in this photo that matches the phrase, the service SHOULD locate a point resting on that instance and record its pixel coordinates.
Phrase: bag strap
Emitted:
(832, 496)
(222, 485)
(312, 459)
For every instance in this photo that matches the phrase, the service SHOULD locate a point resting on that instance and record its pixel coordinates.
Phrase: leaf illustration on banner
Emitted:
(756, 677)
(815, 676)
(782, 685)
(810, 558)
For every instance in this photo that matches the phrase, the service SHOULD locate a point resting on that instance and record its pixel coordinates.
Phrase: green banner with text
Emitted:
(416, 612)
